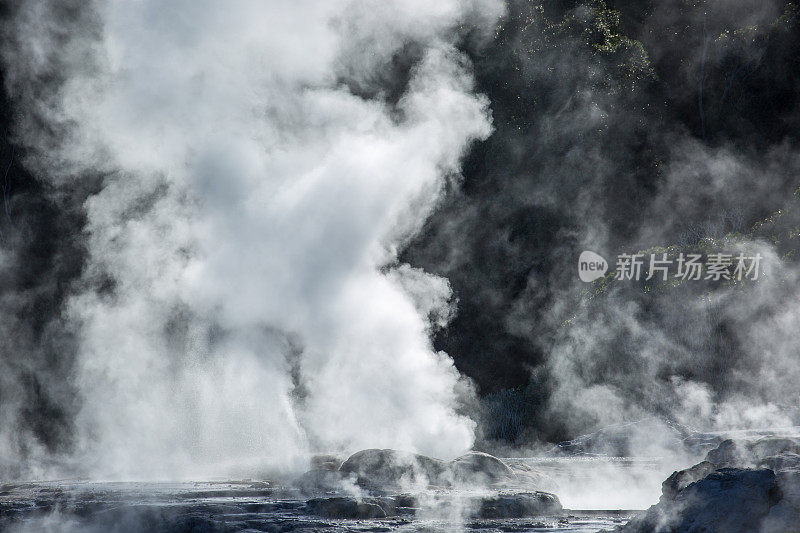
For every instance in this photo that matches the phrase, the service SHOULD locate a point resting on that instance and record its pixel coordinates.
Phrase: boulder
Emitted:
(730, 500)
(780, 462)
(375, 469)
(729, 453)
(345, 508)
(724, 494)
(325, 462)
(477, 468)
(522, 505)
(681, 479)
(382, 470)
(526, 476)
(769, 446)
(318, 481)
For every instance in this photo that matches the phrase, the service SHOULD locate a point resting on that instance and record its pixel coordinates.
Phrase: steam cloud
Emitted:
(660, 124)
(235, 263)
(247, 174)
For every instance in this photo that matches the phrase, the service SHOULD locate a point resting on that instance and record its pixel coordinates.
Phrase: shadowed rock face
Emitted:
(729, 500)
(727, 494)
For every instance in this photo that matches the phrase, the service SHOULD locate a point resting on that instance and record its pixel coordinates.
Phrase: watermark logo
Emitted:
(591, 266)
(713, 267)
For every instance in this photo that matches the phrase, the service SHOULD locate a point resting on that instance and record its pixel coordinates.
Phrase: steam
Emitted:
(588, 157)
(242, 300)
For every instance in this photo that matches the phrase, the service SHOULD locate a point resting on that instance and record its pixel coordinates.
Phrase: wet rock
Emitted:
(477, 468)
(391, 470)
(729, 453)
(345, 508)
(683, 478)
(527, 476)
(326, 462)
(713, 496)
(318, 481)
(523, 505)
(770, 446)
(382, 470)
(782, 461)
(729, 500)
(749, 453)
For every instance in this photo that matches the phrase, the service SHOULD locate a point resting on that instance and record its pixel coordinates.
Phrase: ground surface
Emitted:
(229, 506)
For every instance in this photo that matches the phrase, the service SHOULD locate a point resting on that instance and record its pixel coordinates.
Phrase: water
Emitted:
(598, 482)
(227, 506)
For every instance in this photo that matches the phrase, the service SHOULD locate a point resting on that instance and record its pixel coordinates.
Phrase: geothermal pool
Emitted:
(231, 506)
(586, 487)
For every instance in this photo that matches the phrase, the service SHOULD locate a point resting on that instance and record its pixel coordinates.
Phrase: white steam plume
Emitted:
(250, 205)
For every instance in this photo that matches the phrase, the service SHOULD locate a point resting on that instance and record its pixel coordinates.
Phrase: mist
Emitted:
(242, 240)
(240, 301)
(668, 129)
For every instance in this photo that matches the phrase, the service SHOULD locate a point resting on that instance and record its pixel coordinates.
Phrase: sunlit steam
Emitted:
(236, 307)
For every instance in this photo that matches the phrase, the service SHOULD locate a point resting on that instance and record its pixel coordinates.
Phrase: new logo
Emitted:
(591, 266)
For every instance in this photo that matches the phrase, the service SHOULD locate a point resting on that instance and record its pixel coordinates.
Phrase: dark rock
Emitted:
(782, 461)
(782, 518)
(405, 501)
(523, 505)
(345, 508)
(771, 446)
(729, 500)
(477, 468)
(390, 469)
(325, 462)
(748, 453)
(681, 479)
(318, 481)
(527, 476)
(729, 453)
(711, 496)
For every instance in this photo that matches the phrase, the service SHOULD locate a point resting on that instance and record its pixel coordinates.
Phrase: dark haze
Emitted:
(620, 126)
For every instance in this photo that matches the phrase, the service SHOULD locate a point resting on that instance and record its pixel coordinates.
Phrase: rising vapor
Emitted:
(247, 173)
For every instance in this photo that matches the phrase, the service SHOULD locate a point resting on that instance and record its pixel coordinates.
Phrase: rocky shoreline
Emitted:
(742, 486)
(378, 483)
